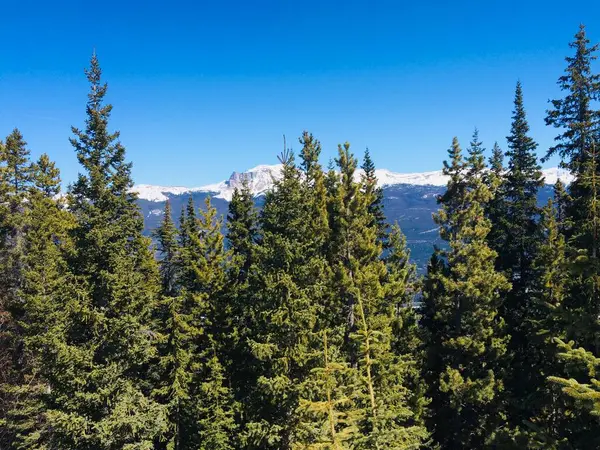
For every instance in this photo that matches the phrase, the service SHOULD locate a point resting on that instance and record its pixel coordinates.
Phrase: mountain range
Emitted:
(409, 199)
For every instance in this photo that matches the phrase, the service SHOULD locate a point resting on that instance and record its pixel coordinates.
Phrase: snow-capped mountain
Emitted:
(261, 179)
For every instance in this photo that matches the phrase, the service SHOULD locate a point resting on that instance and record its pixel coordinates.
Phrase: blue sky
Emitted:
(204, 88)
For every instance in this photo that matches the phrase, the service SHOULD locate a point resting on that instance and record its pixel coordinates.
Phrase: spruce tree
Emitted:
(285, 315)
(577, 144)
(574, 114)
(466, 338)
(543, 325)
(582, 394)
(166, 236)
(561, 203)
(175, 350)
(242, 237)
(100, 391)
(289, 285)
(208, 414)
(382, 399)
(242, 230)
(402, 287)
(496, 208)
(43, 315)
(15, 182)
(520, 226)
(578, 119)
(15, 173)
(370, 188)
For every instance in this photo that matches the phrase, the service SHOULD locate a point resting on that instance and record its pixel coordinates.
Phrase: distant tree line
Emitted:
(305, 325)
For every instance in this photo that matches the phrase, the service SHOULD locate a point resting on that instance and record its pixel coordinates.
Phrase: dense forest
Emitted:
(305, 325)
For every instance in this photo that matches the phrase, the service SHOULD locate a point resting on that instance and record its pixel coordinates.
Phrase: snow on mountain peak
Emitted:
(260, 180)
(262, 177)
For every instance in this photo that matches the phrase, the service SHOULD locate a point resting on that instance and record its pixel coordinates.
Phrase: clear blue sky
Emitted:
(203, 88)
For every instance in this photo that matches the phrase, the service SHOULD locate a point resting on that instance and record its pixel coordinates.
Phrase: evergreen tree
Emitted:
(548, 291)
(100, 392)
(577, 145)
(16, 167)
(401, 287)
(15, 180)
(520, 226)
(328, 414)
(166, 236)
(583, 396)
(382, 400)
(242, 231)
(208, 413)
(289, 284)
(496, 207)
(43, 314)
(561, 203)
(15, 175)
(175, 350)
(574, 114)
(370, 188)
(314, 186)
(242, 238)
(466, 339)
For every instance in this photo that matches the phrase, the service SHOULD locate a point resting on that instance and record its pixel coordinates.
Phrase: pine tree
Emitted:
(517, 252)
(577, 145)
(208, 421)
(382, 400)
(370, 188)
(166, 236)
(15, 180)
(289, 285)
(328, 414)
(42, 316)
(242, 238)
(100, 391)
(466, 340)
(402, 286)
(496, 207)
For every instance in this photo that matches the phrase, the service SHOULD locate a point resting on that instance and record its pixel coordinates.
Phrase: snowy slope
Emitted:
(261, 179)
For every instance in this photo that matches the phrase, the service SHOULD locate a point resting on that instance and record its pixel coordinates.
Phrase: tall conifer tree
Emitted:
(370, 188)
(518, 250)
(577, 117)
(285, 311)
(463, 295)
(242, 238)
(382, 399)
(44, 295)
(100, 394)
(210, 410)
(290, 285)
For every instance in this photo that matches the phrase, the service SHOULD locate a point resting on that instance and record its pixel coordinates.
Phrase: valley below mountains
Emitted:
(409, 199)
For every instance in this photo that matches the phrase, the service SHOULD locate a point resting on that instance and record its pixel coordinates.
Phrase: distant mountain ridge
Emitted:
(408, 198)
(261, 179)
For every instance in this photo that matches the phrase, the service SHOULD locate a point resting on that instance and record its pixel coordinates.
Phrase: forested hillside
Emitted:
(411, 206)
(303, 322)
